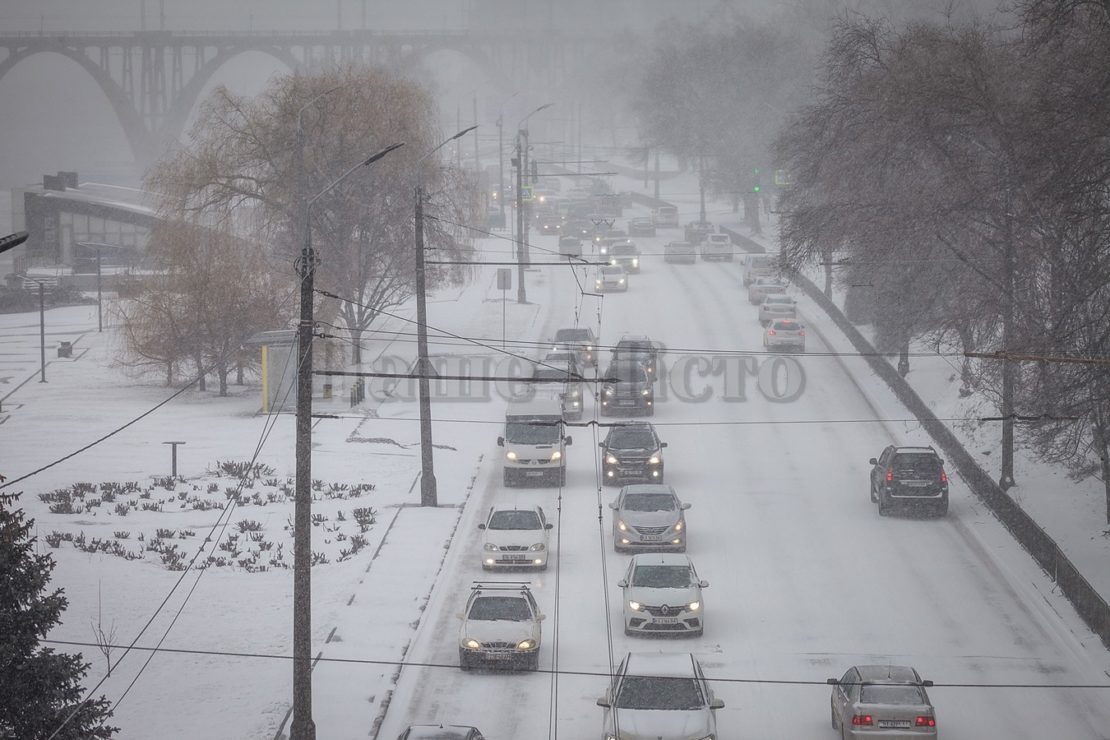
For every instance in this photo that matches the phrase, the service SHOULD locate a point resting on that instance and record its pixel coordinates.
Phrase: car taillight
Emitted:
(771, 332)
(889, 474)
(943, 477)
(925, 722)
(861, 720)
(801, 332)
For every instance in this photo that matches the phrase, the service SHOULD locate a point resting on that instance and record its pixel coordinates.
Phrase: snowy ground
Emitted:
(805, 578)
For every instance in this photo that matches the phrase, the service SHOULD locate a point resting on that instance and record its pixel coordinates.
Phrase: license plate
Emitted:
(665, 620)
(894, 723)
(650, 537)
(515, 557)
(533, 473)
(626, 403)
(915, 483)
(499, 656)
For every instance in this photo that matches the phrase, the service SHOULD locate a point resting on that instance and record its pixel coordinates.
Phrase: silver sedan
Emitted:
(887, 701)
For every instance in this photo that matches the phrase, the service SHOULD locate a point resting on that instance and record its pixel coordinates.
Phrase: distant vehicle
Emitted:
(570, 357)
(785, 334)
(755, 266)
(515, 538)
(570, 246)
(665, 217)
(606, 238)
(641, 226)
(631, 452)
(911, 477)
(495, 219)
(551, 226)
(640, 348)
(610, 278)
(662, 595)
(580, 229)
(535, 446)
(649, 516)
(887, 701)
(626, 388)
(696, 231)
(441, 732)
(500, 628)
(659, 695)
(764, 287)
(559, 380)
(680, 252)
(579, 339)
(777, 306)
(625, 254)
(716, 247)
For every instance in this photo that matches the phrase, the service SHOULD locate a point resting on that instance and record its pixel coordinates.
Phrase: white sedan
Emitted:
(785, 334)
(610, 278)
(777, 306)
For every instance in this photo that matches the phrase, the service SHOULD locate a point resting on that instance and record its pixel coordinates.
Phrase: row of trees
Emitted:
(233, 212)
(956, 172)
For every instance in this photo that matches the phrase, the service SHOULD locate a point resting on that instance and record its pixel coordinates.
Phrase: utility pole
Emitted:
(99, 309)
(521, 294)
(42, 330)
(527, 210)
(429, 494)
(1006, 475)
(656, 173)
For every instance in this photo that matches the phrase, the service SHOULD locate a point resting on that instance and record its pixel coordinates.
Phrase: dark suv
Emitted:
(626, 387)
(642, 350)
(632, 452)
(909, 476)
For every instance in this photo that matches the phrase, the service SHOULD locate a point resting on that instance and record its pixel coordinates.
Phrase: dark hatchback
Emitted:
(909, 477)
(626, 389)
(632, 452)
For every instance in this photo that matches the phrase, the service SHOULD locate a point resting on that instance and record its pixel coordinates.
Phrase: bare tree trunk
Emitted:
(828, 276)
(1006, 476)
(201, 380)
(1102, 444)
(222, 372)
(966, 339)
(904, 359)
(169, 373)
(356, 346)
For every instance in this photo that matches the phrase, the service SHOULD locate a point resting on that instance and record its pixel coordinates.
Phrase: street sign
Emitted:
(782, 178)
(504, 278)
(526, 193)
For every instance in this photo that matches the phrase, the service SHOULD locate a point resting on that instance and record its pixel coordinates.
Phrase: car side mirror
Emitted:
(500, 441)
(873, 461)
(927, 684)
(481, 526)
(601, 445)
(612, 504)
(541, 617)
(568, 441)
(717, 704)
(460, 615)
(603, 701)
(703, 584)
(662, 445)
(622, 583)
(549, 525)
(832, 682)
(686, 506)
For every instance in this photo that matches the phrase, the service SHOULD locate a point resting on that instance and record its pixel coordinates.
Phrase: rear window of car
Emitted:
(891, 694)
(918, 464)
(786, 326)
(779, 299)
(623, 249)
(572, 335)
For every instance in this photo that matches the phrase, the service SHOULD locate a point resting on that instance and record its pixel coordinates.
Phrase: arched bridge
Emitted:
(152, 79)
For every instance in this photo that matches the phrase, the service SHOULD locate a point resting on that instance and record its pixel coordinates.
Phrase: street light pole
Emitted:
(99, 308)
(521, 223)
(501, 158)
(42, 330)
(429, 494)
(303, 727)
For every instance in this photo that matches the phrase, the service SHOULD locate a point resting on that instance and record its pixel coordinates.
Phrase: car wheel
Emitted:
(832, 712)
(464, 662)
(941, 510)
(883, 506)
(874, 498)
(534, 661)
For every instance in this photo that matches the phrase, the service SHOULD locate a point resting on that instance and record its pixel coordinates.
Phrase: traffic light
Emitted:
(535, 172)
(756, 180)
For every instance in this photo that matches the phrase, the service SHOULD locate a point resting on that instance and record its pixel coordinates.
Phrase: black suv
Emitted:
(627, 387)
(909, 476)
(632, 452)
(641, 349)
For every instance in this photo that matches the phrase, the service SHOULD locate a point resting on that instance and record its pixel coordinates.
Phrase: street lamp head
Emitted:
(375, 157)
(13, 240)
(545, 106)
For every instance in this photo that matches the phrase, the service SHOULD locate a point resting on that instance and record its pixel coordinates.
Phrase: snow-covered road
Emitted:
(806, 578)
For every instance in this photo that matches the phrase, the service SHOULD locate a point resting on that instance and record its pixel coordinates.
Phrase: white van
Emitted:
(760, 265)
(665, 217)
(534, 442)
(716, 247)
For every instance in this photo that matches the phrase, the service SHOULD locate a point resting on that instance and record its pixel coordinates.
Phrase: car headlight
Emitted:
(589, 348)
(610, 460)
(526, 645)
(538, 547)
(635, 263)
(694, 606)
(622, 526)
(471, 643)
(613, 262)
(556, 455)
(654, 460)
(492, 547)
(622, 281)
(510, 455)
(645, 392)
(609, 391)
(634, 606)
(574, 393)
(678, 527)
(597, 283)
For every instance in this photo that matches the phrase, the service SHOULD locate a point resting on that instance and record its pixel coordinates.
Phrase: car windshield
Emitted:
(532, 433)
(572, 335)
(635, 438)
(619, 249)
(662, 576)
(786, 326)
(679, 245)
(635, 347)
(762, 260)
(612, 272)
(649, 502)
(514, 520)
(923, 465)
(660, 692)
(627, 372)
(551, 374)
(891, 694)
(438, 734)
(779, 299)
(508, 608)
